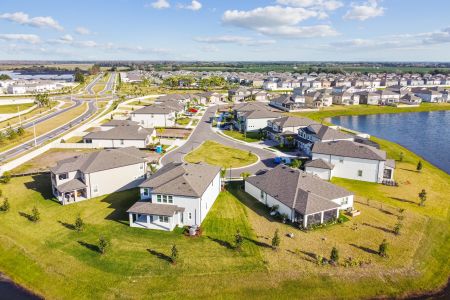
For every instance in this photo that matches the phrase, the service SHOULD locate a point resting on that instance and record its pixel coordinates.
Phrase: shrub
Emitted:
(397, 228)
(419, 166)
(6, 178)
(334, 256)
(423, 197)
(79, 224)
(103, 245)
(238, 240)
(35, 215)
(382, 249)
(174, 254)
(5, 206)
(276, 240)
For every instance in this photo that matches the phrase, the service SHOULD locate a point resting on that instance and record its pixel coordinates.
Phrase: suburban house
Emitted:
(301, 197)
(156, 115)
(369, 98)
(255, 120)
(239, 94)
(308, 136)
(210, 97)
(288, 102)
(98, 173)
(389, 96)
(352, 160)
(178, 194)
(114, 123)
(429, 95)
(121, 137)
(318, 99)
(346, 98)
(282, 128)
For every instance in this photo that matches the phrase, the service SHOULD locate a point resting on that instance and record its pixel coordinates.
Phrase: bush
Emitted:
(5, 206)
(35, 215)
(6, 178)
(397, 228)
(382, 249)
(79, 224)
(238, 240)
(334, 256)
(276, 240)
(174, 254)
(103, 245)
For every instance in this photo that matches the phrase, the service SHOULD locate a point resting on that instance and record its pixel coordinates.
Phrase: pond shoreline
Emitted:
(11, 290)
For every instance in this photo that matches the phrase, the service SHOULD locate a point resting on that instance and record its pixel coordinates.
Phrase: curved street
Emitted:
(204, 132)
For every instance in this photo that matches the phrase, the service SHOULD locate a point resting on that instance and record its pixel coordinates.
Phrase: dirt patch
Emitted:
(174, 133)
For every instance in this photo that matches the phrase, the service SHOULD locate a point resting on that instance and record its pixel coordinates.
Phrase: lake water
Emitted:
(425, 133)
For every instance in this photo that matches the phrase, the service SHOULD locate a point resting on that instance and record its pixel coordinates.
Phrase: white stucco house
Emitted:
(179, 194)
(97, 173)
(302, 197)
(351, 160)
(156, 115)
(253, 116)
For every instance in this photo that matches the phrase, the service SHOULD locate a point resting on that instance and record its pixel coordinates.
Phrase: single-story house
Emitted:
(97, 173)
(121, 137)
(178, 194)
(302, 197)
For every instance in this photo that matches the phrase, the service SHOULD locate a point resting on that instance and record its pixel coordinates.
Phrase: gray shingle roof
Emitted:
(289, 186)
(71, 185)
(261, 114)
(142, 207)
(182, 179)
(290, 121)
(114, 123)
(349, 149)
(129, 132)
(320, 164)
(324, 132)
(100, 160)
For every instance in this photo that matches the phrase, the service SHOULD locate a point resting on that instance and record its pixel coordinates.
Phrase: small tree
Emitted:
(400, 157)
(79, 224)
(35, 215)
(5, 206)
(398, 228)
(239, 240)
(382, 249)
(174, 254)
(296, 163)
(276, 240)
(419, 166)
(223, 172)
(423, 197)
(334, 256)
(103, 245)
(6, 177)
(20, 131)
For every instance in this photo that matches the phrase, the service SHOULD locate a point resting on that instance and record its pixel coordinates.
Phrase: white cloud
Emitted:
(82, 30)
(317, 4)
(194, 5)
(160, 4)
(279, 21)
(67, 38)
(233, 39)
(28, 38)
(24, 19)
(364, 11)
(209, 48)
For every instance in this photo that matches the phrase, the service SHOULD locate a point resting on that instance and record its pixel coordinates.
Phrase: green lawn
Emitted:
(249, 137)
(340, 110)
(12, 109)
(57, 262)
(220, 155)
(183, 121)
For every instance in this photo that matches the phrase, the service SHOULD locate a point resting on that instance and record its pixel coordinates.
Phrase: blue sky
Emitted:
(360, 30)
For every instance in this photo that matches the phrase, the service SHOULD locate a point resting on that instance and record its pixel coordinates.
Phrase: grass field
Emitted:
(183, 121)
(12, 109)
(250, 137)
(353, 110)
(220, 155)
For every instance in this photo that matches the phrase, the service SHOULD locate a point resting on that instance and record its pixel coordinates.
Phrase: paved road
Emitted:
(44, 118)
(13, 152)
(89, 87)
(204, 132)
(110, 84)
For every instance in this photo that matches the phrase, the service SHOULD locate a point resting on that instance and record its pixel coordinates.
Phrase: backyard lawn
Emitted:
(249, 137)
(220, 155)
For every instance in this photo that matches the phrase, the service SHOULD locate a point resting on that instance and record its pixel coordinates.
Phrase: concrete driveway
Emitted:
(204, 132)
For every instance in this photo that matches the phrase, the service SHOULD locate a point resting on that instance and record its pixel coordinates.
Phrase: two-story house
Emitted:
(155, 115)
(284, 129)
(314, 133)
(178, 194)
(97, 173)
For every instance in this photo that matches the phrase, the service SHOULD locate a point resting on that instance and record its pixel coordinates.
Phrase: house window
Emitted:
(190, 216)
(170, 199)
(158, 198)
(360, 173)
(164, 199)
(121, 142)
(141, 167)
(164, 219)
(145, 192)
(341, 160)
(262, 194)
(62, 176)
(344, 201)
(95, 189)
